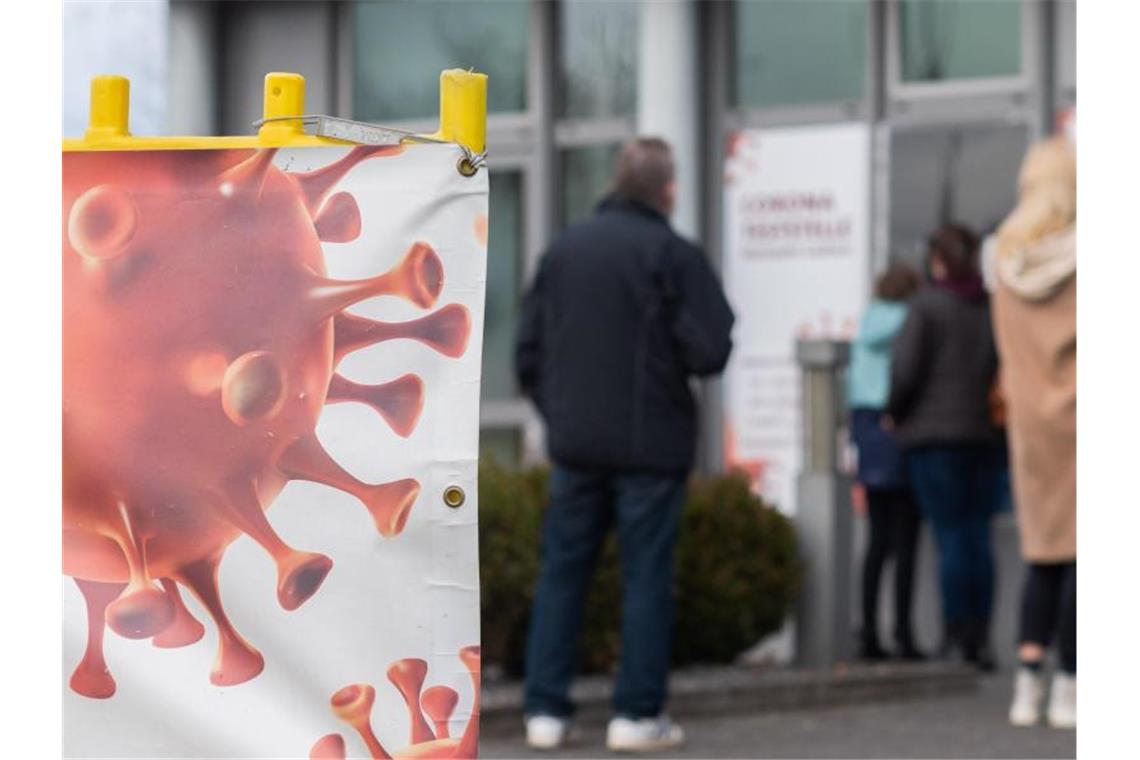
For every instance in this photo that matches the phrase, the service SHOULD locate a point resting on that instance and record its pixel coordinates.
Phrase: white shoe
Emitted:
(546, 731)
(643, 734)
(1063, 701)
(1028, 693)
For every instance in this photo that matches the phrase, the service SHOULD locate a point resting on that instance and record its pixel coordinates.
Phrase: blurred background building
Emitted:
(953, 89)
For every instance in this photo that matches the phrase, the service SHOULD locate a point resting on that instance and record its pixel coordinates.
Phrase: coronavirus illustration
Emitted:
(202, 335)
(353, 705)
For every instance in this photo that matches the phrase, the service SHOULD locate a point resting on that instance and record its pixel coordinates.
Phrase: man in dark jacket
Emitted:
(621, 314)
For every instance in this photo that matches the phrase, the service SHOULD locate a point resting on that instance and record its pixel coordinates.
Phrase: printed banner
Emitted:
(270, 411)
(796, 265)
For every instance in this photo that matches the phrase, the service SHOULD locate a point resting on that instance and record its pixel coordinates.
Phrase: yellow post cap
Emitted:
(284, 96)
(463, 108)
(110, 107)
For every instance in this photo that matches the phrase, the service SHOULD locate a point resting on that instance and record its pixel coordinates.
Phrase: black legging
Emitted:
(894, 530)
(1048, 607)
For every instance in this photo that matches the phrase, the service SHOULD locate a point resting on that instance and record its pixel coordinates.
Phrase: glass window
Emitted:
(959, 39)
(503, 446)
(790, 52)
(586, 174)
(598, 58)
(951, 174)
(400, 46)
(504, 262)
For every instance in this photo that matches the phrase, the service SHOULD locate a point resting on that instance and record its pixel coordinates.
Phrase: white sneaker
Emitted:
(643, 735)
(1028, 693)
(546, 731)
(1063, 701)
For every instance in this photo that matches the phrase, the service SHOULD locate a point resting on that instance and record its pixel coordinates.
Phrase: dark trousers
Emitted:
(1049, 608)
(583, 505)
(894, 532)
(957, 488)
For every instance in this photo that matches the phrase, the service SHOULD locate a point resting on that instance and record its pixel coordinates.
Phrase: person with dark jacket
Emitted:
(891, 509)
(622, 313)
(944, 365)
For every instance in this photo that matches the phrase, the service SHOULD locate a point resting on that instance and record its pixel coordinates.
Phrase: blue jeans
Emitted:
(957, 487)
(583, 505)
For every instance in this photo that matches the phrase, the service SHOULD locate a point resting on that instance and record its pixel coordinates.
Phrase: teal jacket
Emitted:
(869, 374)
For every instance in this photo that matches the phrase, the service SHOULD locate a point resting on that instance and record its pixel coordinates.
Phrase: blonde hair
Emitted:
(1047, 196)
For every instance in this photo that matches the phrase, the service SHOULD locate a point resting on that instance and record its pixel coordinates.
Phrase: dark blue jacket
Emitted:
(622, 312)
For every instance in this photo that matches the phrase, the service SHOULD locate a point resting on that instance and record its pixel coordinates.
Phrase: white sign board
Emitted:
(796, 265)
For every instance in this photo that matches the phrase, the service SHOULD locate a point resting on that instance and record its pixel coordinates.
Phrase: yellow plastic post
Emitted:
(284, 96)
(463, 109)
(462, 117)
(110, 107)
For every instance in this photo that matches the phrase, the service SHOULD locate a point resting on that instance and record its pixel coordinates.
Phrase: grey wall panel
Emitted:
(259, 37)
(193, 73)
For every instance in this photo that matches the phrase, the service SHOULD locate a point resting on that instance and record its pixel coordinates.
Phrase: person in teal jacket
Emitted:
(891, 508)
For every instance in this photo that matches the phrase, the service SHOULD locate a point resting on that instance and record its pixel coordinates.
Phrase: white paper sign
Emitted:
(796, 265)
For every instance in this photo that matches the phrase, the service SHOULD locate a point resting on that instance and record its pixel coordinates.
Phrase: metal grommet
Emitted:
(467, 166)
(454, 497)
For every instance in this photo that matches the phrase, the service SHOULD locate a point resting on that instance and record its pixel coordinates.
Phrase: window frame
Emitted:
(899, 91)
(514, 124)
(514, 412)
(1064, 43)
(789, 114)
(570, 132)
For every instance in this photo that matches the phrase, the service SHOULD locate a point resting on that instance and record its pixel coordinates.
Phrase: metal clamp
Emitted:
(363, 133)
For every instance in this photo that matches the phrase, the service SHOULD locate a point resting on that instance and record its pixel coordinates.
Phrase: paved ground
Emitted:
(960, 726)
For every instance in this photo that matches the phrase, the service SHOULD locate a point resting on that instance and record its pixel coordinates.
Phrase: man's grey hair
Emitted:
(644, 167)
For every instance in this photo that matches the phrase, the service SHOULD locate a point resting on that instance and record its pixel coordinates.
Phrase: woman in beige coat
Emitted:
(1034, 314)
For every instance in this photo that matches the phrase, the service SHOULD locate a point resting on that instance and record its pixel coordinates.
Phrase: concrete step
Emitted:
(734, 689)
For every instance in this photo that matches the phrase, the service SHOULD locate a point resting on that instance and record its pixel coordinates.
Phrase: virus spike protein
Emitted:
(390, 504)
(469, 745)
(418, 278)
(339, 221)
(316, 185)
(439, 703)
(408, 676)
(92, 678)
(299, 574)
(329, 747)
(445, 331)
(400, 402)
(141, 610)
(198, 353)
(236, 661)
(185, 629)
(353, 705)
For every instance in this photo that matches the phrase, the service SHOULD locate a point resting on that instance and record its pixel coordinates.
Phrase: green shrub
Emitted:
(737, 572)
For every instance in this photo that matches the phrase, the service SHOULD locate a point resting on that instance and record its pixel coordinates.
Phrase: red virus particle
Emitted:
(201, 340)
(353, 705)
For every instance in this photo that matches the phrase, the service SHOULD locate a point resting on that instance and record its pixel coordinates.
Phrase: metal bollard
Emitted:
(823, 512)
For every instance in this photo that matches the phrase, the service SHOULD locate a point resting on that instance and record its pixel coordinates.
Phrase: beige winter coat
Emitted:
(1035, 322)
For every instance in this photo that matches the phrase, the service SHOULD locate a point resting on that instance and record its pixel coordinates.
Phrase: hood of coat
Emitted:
(881, 322)
(1036, 271)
